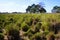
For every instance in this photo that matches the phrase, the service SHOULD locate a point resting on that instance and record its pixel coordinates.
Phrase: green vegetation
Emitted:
(35, 9)
(29, 26)
(56, 9)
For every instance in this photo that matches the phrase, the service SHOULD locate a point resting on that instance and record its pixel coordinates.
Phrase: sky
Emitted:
(21, 5)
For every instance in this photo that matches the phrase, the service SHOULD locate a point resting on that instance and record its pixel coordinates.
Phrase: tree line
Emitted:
(40, 9)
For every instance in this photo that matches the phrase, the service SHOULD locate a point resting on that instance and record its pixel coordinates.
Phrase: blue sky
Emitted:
(21, 5)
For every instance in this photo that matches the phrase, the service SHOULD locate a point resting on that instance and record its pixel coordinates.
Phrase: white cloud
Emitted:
(12, 6)
(33, 0)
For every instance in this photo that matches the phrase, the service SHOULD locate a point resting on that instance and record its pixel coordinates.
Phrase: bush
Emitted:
(14, 34)
(1, 36)
(24, 27)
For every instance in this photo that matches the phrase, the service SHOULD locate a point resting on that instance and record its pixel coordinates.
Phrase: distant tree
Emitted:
(35, 8)
(56, 9)
(14, 12)
(28, 9)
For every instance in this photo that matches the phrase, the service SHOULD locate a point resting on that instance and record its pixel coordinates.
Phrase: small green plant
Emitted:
(1, 36)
